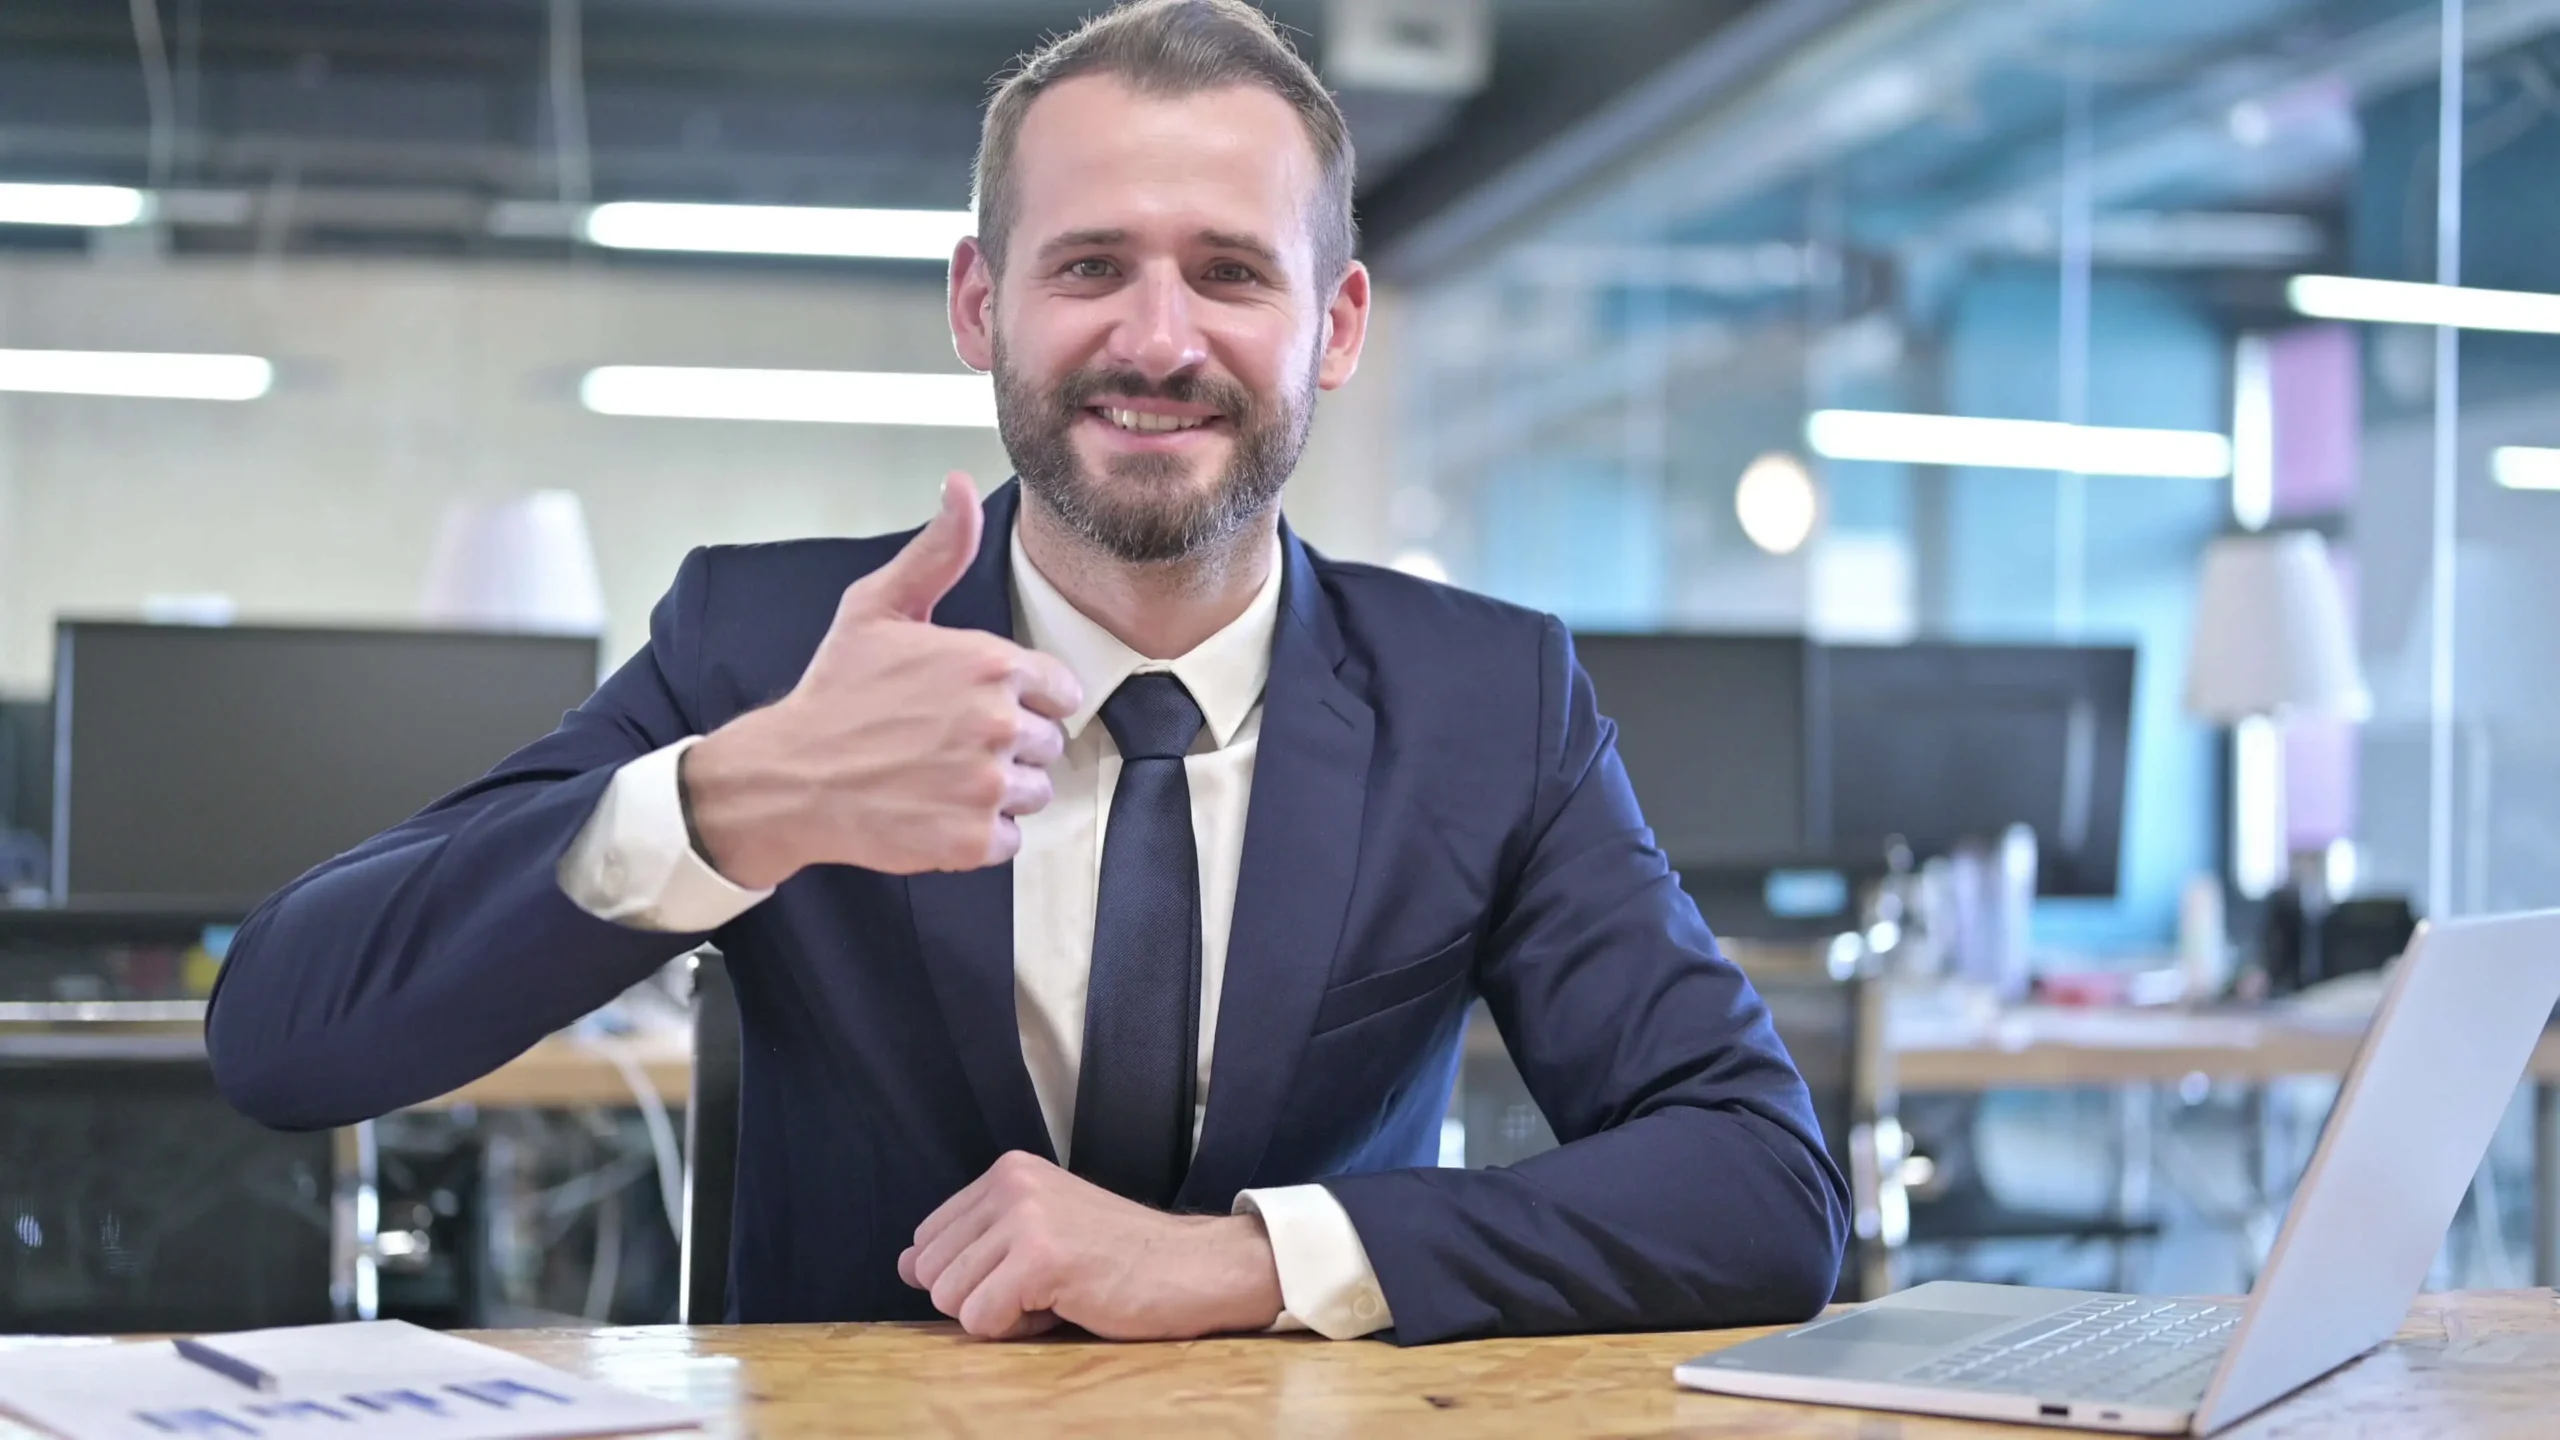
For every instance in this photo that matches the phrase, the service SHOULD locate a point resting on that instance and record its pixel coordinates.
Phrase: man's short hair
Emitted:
(1171, 49)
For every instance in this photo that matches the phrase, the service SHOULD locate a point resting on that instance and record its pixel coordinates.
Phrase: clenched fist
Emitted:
(906, 746)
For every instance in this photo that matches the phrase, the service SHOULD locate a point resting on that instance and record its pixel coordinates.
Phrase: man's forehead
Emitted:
(1094, 153)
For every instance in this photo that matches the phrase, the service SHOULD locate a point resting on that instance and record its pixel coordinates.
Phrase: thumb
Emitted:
(916, 578)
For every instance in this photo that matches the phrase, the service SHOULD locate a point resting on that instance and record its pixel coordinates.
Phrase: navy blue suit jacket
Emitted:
(1438, 813)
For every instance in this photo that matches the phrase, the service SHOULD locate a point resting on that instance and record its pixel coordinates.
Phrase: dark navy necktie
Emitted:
(1142, 1002)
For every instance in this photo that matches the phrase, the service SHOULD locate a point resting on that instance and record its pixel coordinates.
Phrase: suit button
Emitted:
(1366, 1307)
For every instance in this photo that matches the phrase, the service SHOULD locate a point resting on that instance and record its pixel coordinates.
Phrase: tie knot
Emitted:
(1152, 717)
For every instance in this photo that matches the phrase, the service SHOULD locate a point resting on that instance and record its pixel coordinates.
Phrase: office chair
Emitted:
(137, 1200)
(1835, 1032)
(711, 1145)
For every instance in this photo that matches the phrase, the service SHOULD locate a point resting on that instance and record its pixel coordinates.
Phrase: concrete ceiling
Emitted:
(399, 124)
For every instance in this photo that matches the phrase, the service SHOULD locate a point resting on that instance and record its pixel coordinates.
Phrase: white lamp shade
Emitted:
(520, 564)
(2271, 636)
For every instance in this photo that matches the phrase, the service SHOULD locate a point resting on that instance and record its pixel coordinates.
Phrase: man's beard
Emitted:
(1145, 511)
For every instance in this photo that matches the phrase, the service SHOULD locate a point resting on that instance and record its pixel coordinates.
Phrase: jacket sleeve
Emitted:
(1692, 1189)
(437, 951)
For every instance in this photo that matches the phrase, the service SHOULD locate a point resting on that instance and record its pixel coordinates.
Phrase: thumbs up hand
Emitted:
(906, 746)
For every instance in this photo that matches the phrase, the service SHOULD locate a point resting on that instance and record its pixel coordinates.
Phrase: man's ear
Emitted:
(1346, 317)
(973, 304)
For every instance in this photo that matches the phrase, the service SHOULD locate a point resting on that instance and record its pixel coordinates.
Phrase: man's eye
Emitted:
(1092, 267)
(1231, 274)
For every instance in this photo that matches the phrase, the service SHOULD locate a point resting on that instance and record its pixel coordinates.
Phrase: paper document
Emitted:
(379, 1380)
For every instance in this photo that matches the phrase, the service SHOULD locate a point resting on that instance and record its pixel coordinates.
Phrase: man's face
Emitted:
(1159, 331)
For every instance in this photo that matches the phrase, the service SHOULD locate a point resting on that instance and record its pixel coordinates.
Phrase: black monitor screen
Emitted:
(1942, 744)
(215, 764)
(1713, 729)
(26, 791)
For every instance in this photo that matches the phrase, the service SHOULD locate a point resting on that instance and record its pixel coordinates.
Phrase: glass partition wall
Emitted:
(1751, 374)
(1682, 395)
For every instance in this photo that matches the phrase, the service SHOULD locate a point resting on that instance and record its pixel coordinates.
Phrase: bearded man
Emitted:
(1104, 875)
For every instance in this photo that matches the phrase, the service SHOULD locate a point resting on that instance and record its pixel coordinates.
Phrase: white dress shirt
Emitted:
(634, 864)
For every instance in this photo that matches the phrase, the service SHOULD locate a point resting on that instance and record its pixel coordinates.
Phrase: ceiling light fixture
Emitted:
(1778, 503)
(92, 207)
(2525, 467)
(837, 397)
(2017, 444)
(2407, 302)
(146, 375)
(779, 230)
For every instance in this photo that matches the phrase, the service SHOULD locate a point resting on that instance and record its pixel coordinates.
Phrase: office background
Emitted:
(1655, 281)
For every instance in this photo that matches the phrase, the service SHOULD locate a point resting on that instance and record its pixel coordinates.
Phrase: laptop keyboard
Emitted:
(2127, 1348)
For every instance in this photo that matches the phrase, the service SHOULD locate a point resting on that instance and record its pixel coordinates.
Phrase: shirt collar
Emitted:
(1224, 673)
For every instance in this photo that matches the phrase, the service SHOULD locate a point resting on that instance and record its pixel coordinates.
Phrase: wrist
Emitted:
(1248, 1274)
(732, 813)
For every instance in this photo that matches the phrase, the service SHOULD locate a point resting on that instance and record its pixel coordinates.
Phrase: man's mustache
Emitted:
(1093, 387)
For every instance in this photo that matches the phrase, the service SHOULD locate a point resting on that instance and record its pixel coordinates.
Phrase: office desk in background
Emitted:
(2029, 1049)
(2480, 1365)
(2034, 1048)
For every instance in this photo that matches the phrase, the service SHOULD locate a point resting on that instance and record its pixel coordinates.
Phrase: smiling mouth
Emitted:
(1144, 422)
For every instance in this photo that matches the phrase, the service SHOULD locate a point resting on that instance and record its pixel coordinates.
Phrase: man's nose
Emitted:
(1159, 335)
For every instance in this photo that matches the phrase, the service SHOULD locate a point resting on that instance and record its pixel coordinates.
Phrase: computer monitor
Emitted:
(1714, 731)
(26, 793)
(211, 765)
(1944, 743)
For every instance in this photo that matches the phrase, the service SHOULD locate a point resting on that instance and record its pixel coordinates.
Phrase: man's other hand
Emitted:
(1028, 1245)
(906, 746)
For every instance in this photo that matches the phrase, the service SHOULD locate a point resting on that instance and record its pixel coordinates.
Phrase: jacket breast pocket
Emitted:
(1370, 994)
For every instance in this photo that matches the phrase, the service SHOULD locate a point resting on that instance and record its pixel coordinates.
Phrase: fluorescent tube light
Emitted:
(2017, 444)
(839, 397)
(2524, 467)
(779, 230)
(93, 206)
(2407, 302)
(147, 375)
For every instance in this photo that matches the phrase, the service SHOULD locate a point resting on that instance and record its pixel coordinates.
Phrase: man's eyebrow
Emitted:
(1234, 240)
(1081, 239)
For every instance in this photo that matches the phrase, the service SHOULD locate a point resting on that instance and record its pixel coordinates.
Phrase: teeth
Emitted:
(1146, 423)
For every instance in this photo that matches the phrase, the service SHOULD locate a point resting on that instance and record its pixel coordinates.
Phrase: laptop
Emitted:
(2457, 1024)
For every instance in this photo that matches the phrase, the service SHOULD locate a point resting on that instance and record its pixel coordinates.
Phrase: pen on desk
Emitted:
(230, 1367)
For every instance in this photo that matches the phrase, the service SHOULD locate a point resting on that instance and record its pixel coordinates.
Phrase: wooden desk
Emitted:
(561, 1073)
(2038, 1048)
(2477, 1364)
(2027, 1049)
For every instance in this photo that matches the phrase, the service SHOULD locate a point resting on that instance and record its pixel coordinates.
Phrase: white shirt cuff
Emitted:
(1326, 1284)
(633, 863)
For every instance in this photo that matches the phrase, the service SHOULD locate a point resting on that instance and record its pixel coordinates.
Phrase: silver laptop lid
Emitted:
(2457, 1025)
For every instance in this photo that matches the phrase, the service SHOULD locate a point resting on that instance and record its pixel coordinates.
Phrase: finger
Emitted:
(1046, 685)
(1004, 841)
(1027, 790)
(958, 1283)
(955, 1209)
(1037, 740)
(934, 1256)
(921, 574)
(998, 1308)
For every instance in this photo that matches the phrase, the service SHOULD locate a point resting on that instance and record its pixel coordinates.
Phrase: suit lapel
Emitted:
(964, 921)
(1301, 854)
